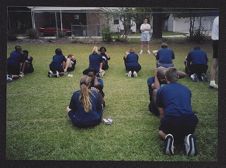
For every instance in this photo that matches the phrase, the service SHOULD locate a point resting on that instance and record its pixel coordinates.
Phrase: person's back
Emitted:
(165, 55)
(82, 117)
(94, 61)
(85, 107)
(175, 99)
(58, 60)
(132, 58)
(197, 56)
(15, 57)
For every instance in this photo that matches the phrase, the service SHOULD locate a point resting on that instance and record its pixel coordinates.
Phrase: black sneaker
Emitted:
(169, 144)
(190, 145)
(194, 77)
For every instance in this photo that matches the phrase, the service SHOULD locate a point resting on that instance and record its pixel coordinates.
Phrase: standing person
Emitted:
(85, 109)
(27, 65)
(96, 62)
(165, 56)
(215, 40)
(105, 58)
(131, 63)
(145, 29)
(58, 64)
(15, 63)
(196, 64)
(177, 119)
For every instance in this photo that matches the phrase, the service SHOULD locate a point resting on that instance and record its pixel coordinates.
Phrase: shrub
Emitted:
(198, 36)
(106, 34)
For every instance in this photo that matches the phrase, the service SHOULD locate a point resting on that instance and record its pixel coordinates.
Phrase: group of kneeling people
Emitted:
(169, 100)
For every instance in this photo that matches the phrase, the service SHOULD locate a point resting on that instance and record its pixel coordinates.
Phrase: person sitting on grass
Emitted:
(196, 64)
(96, 62)
(164, 56)
(57, 65)
(27, 65)
(14, 63)
(105, 58)
(70, 63)
(96, 82)
(178, 122)
(154, 83)
(85, 109)
(131, 63)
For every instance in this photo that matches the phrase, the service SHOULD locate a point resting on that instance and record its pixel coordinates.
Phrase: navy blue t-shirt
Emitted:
(175, 99)
(165, 55)
(94, 61)
(15, 58)
(79, 114)
(132, 59)
(58, 60)
(197, 56)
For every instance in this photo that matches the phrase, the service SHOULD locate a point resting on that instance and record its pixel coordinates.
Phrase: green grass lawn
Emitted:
(39, 129)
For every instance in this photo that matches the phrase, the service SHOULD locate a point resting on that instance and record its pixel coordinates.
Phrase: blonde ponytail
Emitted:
(85, 93)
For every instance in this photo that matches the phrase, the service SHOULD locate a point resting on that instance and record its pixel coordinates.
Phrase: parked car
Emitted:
(51, 31)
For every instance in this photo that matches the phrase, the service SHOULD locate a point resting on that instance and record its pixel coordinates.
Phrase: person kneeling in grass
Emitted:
(70, 63)
(131, 63)
(165, 56)
(57, 65)
(196, 64)
(178, 122)
(85, 109)
(154, 83)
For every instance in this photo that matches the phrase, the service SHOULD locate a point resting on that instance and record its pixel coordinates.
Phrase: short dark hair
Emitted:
(164, 45)
(171, 75)
(103, 48)
(25, 51)
(58, 51)
(17, 47)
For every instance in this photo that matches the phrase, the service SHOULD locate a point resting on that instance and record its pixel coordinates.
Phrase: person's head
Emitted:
(95, 50)
(71, 56)
(131, 50)
(25, 52)
(145, 20)
(90, 72)
(102, 49)
(164, 45)
(58, 51)
(171, 75)
(161, 74)
(85, 84)
(18, 48)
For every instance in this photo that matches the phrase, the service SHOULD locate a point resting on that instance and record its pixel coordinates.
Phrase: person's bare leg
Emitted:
(67, 64)
(162, 134)
(141, 47)
(213, 73)
(148, 47)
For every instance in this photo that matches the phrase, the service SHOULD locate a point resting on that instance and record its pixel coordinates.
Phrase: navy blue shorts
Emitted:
(179, 127)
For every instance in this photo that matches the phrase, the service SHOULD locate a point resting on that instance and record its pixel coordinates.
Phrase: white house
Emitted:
(182, 25)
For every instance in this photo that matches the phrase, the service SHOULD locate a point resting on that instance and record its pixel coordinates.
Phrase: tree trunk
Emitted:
(157, 25)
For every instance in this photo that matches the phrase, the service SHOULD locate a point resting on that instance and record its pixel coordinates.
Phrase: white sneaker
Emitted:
(57, 74)
(135, 74)
(129, 74)
(149, 52)
(141, 52)
(213, 85)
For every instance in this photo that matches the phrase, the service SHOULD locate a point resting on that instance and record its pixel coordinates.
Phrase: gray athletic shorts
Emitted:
(145, 36)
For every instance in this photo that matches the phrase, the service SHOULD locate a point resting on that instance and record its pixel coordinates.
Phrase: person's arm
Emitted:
(161, 112)
(156, 82)
(72, 105)
(181, 74)
(108, 57)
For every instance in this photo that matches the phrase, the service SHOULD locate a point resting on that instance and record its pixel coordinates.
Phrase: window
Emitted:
(116, 21)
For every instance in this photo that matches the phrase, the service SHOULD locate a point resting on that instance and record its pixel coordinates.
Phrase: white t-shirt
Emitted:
(145, 26)
(215, 29)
